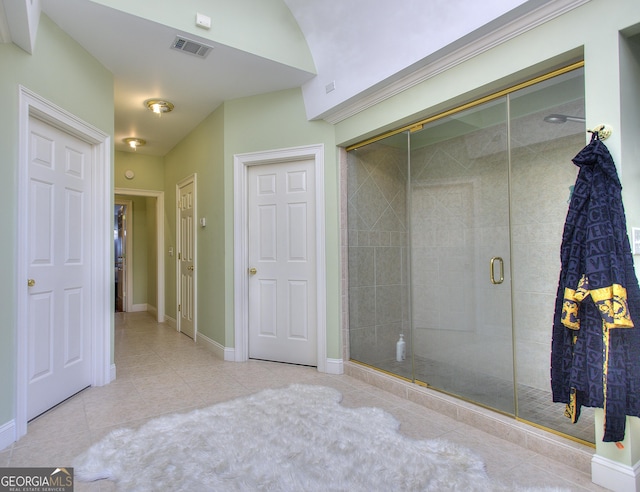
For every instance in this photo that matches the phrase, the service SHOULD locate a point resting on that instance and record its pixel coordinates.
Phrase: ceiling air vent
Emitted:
(191, 47)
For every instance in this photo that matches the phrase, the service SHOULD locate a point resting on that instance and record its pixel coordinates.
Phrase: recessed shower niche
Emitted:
(454, 233)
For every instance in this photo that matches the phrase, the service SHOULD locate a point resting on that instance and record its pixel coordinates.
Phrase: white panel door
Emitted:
(282, 261)
(186, 267)
(59, 355)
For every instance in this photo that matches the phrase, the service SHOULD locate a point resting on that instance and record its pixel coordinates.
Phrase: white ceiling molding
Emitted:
(442, 63)
(21, 19)
(5, 34)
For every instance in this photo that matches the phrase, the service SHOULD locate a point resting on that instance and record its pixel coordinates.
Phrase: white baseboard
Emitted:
(136, 308)
(152, 310)
(211, 345)
(7, 434)
(334, 366)
(229, 354)
(614, 475)
(171, 322)
(112, 375)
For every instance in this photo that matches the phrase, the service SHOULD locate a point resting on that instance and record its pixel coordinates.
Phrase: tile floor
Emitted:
(161, 371)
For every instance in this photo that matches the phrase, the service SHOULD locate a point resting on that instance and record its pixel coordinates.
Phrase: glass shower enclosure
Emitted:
(454, 234)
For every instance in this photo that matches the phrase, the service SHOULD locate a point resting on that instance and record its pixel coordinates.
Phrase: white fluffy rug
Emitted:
(293, 439)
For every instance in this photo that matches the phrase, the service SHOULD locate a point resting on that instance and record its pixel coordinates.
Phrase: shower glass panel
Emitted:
(378, 267)
(547, 131)
(454, 242)
(461, 286)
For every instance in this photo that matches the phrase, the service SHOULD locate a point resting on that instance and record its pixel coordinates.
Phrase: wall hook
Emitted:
(603, 131)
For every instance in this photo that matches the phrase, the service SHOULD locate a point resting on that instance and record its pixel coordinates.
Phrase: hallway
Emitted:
(162, 371)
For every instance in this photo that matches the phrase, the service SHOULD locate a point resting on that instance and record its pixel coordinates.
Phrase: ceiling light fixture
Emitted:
(158, 106)
(133, 142)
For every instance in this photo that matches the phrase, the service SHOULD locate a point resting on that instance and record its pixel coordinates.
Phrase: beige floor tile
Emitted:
(5, 456)
(68, 418)
(174, 395)
(89, 486)
(157, 380)
(57, 452)
(142, 359)
(111, 413)
(115, 391)
(200, 372)
(160, 371)
(143, 371)
(555, 468)
(418, 426)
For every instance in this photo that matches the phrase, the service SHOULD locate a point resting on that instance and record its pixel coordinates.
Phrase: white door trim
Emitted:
(159, 196)
(101, 216)
(241, 244)
(128, 249)
(193, 178)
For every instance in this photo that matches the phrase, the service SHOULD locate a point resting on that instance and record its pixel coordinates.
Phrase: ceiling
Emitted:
(137, 52)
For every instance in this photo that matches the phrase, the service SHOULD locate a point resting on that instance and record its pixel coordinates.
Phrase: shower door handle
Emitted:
(492, 275)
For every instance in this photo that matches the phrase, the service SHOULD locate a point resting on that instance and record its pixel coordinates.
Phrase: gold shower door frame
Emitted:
(493, 269)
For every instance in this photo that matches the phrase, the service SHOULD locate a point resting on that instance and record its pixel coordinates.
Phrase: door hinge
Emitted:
(179, 256)
(179, 307)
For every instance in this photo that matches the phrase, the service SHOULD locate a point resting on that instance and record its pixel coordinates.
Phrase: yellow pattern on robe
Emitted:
(571, 408)
(612, 304)
(611, 301)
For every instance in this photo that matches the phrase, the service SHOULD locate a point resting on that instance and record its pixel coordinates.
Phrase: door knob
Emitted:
(252, 271)
(31, 282)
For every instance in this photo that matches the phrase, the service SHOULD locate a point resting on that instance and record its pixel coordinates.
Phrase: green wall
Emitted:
(630, 128)
(276, 121)
(266, 122)
(142, 223)
(601, 32)
(141, 248)
(65, 74)
(148, 176)
(148, 171)
(200, 153)
(151, 254)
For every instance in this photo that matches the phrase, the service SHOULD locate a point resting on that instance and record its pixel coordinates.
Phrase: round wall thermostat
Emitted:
(129, 174)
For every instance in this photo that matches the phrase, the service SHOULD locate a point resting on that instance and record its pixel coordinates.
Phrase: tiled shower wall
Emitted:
(376, 280)
(377, 251)
(460, 220)
(543, 174)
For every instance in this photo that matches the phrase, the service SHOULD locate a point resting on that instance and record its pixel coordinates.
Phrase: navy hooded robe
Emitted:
(595, 353)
